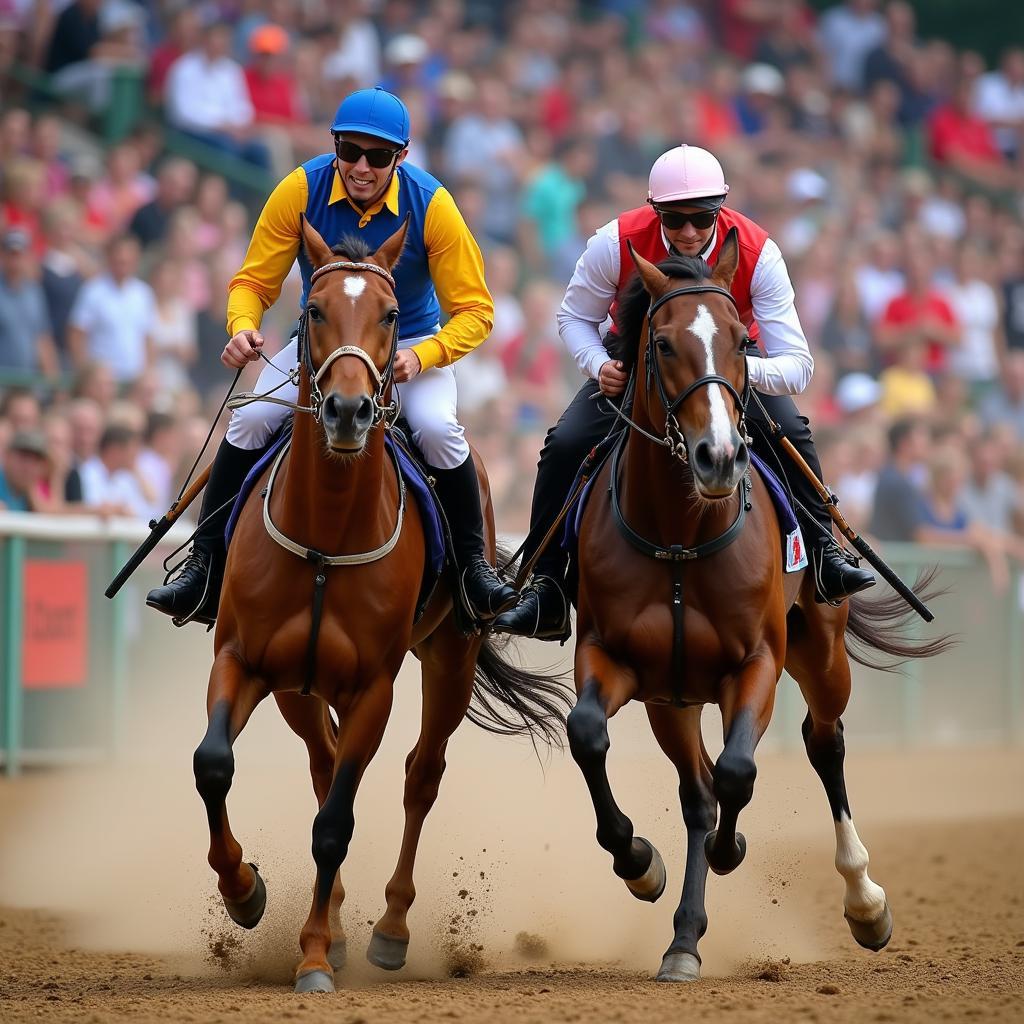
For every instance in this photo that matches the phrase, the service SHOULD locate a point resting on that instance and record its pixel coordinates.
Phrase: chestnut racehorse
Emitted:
(683, 601)
(336, 492)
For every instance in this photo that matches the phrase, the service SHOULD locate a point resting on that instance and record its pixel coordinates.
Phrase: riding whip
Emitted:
(832, 504)
(157, 531)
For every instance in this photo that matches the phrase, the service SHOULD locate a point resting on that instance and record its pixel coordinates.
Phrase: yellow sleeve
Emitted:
(457, 270)
(274, 246)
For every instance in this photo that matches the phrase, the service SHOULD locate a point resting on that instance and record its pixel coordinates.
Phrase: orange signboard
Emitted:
(55, 652)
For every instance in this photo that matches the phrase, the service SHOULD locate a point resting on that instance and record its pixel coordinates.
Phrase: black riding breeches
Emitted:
(585, 423)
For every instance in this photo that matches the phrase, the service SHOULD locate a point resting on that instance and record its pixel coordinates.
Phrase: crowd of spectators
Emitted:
(889, 167)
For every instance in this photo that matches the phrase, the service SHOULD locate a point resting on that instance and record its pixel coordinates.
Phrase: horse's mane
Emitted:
(352, 247)
(623, 342)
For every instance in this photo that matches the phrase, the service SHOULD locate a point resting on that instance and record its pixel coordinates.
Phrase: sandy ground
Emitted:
(109, 911)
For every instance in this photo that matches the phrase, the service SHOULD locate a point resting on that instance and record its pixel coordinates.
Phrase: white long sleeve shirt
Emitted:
(583, 319)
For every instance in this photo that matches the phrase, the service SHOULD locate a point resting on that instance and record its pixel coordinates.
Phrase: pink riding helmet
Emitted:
(687, 173)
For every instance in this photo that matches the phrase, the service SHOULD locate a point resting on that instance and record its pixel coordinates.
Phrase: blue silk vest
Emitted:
(417, 300)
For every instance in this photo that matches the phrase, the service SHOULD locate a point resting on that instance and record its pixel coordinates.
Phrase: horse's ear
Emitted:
(654, 280)
(391, 249)
(728, 260)
(317, 250)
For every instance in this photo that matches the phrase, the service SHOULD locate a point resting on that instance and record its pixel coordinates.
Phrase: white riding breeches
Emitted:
(428, 404)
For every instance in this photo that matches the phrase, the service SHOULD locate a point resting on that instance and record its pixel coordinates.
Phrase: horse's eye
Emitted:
(314, 313)
(747, 343)
(664, 346)
(390, 317)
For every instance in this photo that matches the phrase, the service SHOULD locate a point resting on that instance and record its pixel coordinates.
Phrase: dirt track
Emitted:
(119, 857)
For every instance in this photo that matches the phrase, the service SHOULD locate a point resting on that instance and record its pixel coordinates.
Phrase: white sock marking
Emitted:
(865, 900)
(705, 328)
(354, 287)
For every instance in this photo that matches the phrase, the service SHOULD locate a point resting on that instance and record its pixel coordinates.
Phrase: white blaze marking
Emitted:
(354, 287)
(705, 328)
(864, 900)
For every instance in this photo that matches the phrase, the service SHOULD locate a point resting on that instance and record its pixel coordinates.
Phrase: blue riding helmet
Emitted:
(375, 112)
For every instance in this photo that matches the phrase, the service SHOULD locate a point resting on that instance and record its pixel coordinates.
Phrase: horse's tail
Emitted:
(510, 700)
(879, 626)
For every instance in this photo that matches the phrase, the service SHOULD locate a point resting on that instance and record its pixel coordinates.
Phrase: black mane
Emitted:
(623, 342)
(352, 247)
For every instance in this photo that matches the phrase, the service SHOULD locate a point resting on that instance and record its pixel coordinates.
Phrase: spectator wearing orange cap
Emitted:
(277, 110)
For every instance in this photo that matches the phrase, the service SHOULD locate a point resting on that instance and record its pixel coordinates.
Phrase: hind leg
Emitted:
(449, 662)
(605, 687)
(817, 660)
(747, 700)
(678, 733)
(232, 696)
(310, 719)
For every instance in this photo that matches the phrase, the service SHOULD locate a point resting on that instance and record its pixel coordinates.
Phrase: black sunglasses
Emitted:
(675, 219)
(379, 157)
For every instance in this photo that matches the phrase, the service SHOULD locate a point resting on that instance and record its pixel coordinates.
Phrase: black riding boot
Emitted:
(459, 493)
(542, 612)
(194, 593)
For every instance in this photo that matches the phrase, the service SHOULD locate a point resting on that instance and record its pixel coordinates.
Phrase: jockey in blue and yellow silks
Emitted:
(364, 189)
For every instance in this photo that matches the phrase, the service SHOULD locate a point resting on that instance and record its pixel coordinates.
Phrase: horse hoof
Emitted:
(337, 955)
(729, 863)
(387, 953)
(247, 912)
(873, 935)
(679, 967)
(651, 884)
(314, 981)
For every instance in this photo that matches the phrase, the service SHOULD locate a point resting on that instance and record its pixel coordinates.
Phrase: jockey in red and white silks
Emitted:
(685, 215)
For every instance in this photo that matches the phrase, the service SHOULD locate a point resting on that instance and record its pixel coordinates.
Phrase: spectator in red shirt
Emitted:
(274, 91)
(918, 314)
(272, 88)
(961, 140)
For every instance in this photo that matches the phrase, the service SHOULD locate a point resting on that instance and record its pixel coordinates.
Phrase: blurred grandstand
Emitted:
(887, 162)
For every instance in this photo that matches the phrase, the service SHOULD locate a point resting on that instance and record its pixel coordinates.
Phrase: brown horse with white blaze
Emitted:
(683, 601)
(334, 517)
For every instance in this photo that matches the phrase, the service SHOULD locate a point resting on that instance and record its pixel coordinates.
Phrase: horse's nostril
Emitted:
(364, 414)
(702, 459)
(332, 411)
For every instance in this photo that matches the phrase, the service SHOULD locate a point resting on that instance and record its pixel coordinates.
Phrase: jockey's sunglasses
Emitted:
(379, 157)
(676, 219)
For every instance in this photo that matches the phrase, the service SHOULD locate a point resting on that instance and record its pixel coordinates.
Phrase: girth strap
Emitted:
(319, 583)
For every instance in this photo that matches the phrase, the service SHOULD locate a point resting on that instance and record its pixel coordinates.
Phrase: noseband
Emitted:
(674, 439)
(382, 410)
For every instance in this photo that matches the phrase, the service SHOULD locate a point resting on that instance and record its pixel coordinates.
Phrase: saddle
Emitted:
(438, 557)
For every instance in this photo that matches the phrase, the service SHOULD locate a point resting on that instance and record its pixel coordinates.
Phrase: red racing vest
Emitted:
(642, 227)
